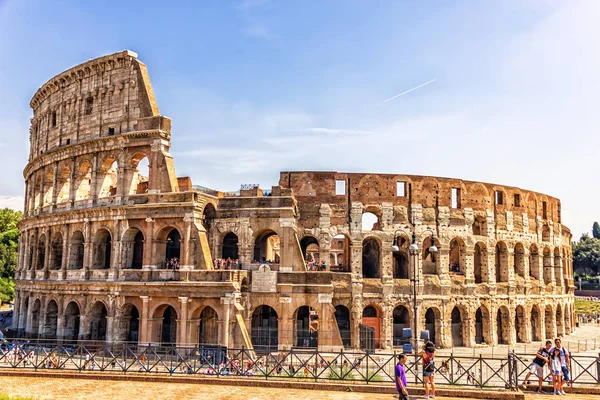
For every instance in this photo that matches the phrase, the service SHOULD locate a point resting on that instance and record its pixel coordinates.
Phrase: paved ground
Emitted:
(48, 388)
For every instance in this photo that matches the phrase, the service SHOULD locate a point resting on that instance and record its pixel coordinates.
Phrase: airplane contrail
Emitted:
(409, 90)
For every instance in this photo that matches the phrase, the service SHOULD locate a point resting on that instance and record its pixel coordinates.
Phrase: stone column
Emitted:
(66, 254)
(73, 181)
(29, 318)
(470, 266)
(60, 320)
(94, 181)
(88, 245)
(23, 306)
(183, 322)
(110, 319)
(84, 326)
(226, 301)
(54, 185)
(16, 311)
(144, 334)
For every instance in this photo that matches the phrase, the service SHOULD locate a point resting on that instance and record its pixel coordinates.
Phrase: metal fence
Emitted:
(347, 366)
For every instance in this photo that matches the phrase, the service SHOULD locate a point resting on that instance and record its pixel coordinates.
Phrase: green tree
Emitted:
(596, 230)
(586, 255)
(9, 242)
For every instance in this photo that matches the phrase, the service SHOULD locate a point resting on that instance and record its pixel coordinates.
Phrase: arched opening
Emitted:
(545, 233)
(208, 327)
(38, 192)
(71, 321)
(370, 222)
(482, 326)
(372, 319)
(56, 255)
(430, 261)
(560, 327)
(548, 267)
(534, 262)
(138, 251)
(519, 260)
(63, 185)
(266, 247)
(458, 261)
(520, 324)
(457, 328)
(480, 263)
(343, 246)
(98, 314)
(138, 174)
(173, 246)
(503, 325)
(480, 226)
(102, 249)
(401, 264)
(83, 181)
(168, 331)
(48, 188)
(35, 318)
(107, 178)
(132, 246)
(307, 327)
(370, 258)
(76, 256)
(208, 216)
(536, 325)
(501, 262)
(310, 249)
(342, 317)
(265, 331)
(230, 246)
(401, 321)
(130, 323)
(433, 323)
(549, 322)
(41, 252)
(51, 320)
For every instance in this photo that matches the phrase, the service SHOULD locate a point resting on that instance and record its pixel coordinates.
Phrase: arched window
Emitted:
(41, 252)
(457, 256)
(63, 185)
(51, 320)
(371, 258)
(264, 332)
(168, 334)
(173, 245)
(342, 243)
(83, 181)
(107, 178)
(370, 222)
(519, 260)
(430, 261)
(208, 328)
(138, 174)
(502, 325)
(401, 321)
(310, 248)
(56, 256)
(342, 317)
(97, 320)
(48, 188)
(230, 246)
(457, 328)
(482, 326)
(307, 327)
(401, 259)
(102, 249)
(71, 321)
(76, 256)
(266, 247)
(501, 262)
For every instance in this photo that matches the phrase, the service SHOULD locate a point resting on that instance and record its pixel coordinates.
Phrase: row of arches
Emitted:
(71, 183)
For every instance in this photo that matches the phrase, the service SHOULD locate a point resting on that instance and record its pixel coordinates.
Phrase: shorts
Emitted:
(537, 370)
(556, 372)
(565, 372)
(425, 373)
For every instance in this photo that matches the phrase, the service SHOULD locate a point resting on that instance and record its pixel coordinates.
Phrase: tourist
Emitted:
(542, 357)
(565, 363)
(401, 378)
(428, 355)
(555, 366)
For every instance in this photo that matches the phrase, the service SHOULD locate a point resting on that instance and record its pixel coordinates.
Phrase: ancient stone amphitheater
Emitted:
(111, 252)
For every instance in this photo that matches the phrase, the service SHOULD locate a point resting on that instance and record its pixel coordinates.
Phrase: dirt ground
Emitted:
(53, 388)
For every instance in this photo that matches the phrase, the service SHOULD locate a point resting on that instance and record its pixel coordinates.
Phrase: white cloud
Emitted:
(13, 202)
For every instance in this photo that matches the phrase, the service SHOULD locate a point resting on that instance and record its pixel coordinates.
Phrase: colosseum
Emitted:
(115, 246)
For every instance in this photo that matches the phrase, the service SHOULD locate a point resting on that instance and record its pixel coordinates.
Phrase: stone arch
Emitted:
(479, 226)
(267, 247)
(430, 261)
(458, 261)
(63, 186)
(48, 189)
(458, 327)
(306, 319)
(519, 260)
(400, 321)
(165, 317)
(41, 251)
(265, 330)
(501, 262)
(370, 221)
(230, 246)
(76, 250)
(51, 320)
(168, 245)
(433, 324)
(208, 327)
(536, 323)
(310, 248)
(342, 317)
(371, 258)
(483, 332)
(209, 214)
(534, 262)
(132, 245)
(371, 317)
(548, 266)
(102, 249)
(480, 263)
(137, 175)
(97, 320)
(129, 327)
(36, 310)
(400, 258)
(56, 251)
(503, 325)
(71, 321)
(83, 181)
(344, 259)
(107, 177)
(520, 324)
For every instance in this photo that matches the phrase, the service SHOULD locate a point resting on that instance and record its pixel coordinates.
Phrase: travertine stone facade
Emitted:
(99, 237)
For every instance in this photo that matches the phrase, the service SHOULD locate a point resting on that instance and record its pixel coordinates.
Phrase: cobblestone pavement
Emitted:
(52, 388)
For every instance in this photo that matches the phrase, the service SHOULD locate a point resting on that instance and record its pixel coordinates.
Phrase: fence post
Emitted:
(597, 369)
(480, 370)
(367, 374)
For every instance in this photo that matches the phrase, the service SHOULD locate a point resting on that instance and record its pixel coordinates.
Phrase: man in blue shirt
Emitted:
(401, 378)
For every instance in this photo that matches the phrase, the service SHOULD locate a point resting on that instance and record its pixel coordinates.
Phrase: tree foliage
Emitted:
(586, 255)
(9, 241)
(596, 230)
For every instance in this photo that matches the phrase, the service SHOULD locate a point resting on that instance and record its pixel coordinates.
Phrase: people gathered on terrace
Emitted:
(227, 263)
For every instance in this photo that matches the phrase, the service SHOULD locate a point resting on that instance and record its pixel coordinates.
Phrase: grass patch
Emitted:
(587, 307)
(343, 373)
(374, 377)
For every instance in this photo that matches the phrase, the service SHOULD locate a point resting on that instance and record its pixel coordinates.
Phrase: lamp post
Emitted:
(413, 250)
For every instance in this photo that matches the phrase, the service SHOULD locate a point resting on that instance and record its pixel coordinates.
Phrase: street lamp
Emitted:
(413, 250)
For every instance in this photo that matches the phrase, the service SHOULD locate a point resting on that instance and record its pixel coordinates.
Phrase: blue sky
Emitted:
(254, 87)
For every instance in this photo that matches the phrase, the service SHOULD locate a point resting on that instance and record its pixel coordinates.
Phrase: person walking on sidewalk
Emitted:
(401, 378)
(542, 357)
